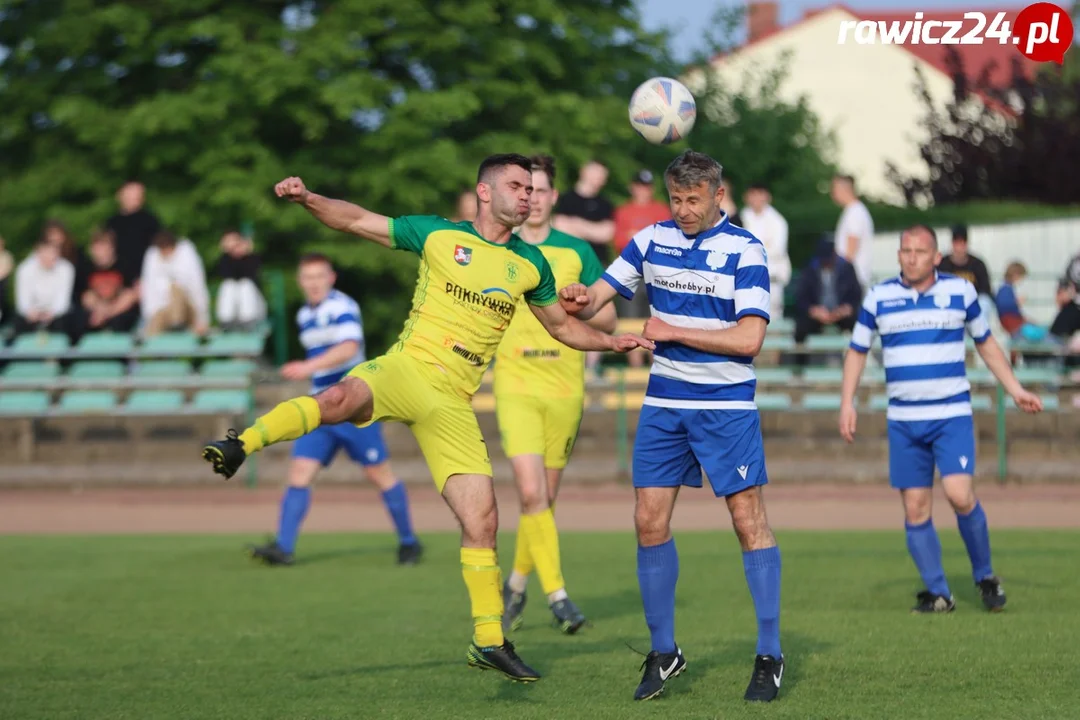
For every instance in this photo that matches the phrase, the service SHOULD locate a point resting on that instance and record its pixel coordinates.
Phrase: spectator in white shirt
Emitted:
(43, 285)
(855, 229)
(172, 292)
(769, 226)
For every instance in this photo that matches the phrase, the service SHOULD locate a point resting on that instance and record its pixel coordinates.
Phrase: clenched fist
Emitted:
(574, 298)
(292, 189)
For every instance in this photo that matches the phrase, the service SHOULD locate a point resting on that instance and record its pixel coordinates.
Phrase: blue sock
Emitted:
(294, 507)
(397, 504)
(763, 576)
(976, 536)
(658, 571)
(925, 549)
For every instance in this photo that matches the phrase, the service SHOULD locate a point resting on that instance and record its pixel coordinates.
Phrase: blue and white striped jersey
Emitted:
(706, 282)
(333, 321)
(922, 341)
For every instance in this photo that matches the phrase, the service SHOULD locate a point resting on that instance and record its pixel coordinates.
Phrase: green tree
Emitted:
(391, 103)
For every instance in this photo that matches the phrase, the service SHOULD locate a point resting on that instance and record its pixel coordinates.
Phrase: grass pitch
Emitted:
(187, 627)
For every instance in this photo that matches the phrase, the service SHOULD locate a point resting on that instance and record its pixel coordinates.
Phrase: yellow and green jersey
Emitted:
(529, 360)
(466, 295)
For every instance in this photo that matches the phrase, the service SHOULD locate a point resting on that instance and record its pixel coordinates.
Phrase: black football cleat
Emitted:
(503, 659)
(567, 617)
(410, 554)
(765, 682)
(993, 595)
(514, 608)
(928, 603)
(271, 554)
(659, 668)
(226, 456)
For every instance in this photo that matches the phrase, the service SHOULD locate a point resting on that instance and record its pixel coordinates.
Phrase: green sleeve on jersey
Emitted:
(591, 269)
(409, 232)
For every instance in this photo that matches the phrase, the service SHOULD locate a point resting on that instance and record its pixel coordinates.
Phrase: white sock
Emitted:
(557, 596)
(518, 582)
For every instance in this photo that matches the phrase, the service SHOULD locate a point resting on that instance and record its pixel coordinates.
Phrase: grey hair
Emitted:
(691, 168)
(916, 228)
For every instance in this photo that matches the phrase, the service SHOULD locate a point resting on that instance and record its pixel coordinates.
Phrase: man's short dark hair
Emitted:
(494, 163)
(960, 232)
(313, 258)
(921, 226)
(764, 187)
(546, 165)
(849, 179)
(164, 240)
(692, 168)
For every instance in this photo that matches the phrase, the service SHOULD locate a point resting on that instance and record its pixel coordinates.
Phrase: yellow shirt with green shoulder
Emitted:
(467, 292)
(529, 360)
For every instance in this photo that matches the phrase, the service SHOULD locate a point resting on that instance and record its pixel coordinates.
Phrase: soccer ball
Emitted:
(662, 110)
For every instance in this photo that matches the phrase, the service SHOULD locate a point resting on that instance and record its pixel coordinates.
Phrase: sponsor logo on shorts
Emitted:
(462, 255)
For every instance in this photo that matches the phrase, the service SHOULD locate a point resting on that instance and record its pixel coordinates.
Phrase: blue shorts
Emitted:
(364, 445)
(673, 446)
(915, 447)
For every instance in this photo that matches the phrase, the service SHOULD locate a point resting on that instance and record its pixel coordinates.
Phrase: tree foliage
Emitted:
(1019, 142)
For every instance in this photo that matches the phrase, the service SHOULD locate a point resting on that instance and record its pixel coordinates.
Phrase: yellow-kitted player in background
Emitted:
(539, 397)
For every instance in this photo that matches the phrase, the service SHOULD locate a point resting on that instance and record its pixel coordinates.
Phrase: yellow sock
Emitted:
(543, 540)
(523, 561)
(288, 421)
(480, 568)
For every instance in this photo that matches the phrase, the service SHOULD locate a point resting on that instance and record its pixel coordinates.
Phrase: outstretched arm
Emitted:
(576, 334)
(584, 302)
(337, 214)
(743, 338)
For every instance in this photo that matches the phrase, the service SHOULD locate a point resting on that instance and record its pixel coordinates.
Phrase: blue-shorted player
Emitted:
(707, 282)
(332, 335)
(921, 316)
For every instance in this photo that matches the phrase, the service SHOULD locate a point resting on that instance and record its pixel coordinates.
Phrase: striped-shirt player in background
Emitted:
(921, 317)
(708, 287)
(333, 339)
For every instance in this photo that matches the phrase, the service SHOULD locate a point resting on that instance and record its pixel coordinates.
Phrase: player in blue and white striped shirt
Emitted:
(921, 316)
(708, 287)
(333, 339)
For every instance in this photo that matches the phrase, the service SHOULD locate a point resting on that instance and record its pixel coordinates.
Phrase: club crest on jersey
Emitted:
(716, 259)
(462, 255)
(511, 271)
(942, 301)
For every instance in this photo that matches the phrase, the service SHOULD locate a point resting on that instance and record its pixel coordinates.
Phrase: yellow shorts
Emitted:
(409, 391)
(530, 425)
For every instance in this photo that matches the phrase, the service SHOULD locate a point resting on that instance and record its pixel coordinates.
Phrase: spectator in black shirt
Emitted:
(104, 298)
(134, 228)
(1067, 322)
(961, 264)
(240, 304)
(827, 293)
(581, 212)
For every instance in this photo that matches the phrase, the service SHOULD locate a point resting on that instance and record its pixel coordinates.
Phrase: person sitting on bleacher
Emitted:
(172, 290)
(1067, 322)
(828, 293)
(43, 284)
(104, 298)
(240, 304)
(1010, 301)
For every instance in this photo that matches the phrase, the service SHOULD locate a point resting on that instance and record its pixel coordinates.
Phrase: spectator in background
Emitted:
(56, 234)
(134, 227)
(583, 213)
(1010, 300)
(727, 204)
(7, 264)
(43, 287)
(172, 289)
(770, 227)
(1067, 322)
(962, 264)
(240, 304)
(828, 293)
(854, 230)
(466, 207)
(104, 298)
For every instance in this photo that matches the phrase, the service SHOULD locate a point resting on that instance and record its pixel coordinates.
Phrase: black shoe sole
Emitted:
(480, 665)
(216, 459)
(660, 692)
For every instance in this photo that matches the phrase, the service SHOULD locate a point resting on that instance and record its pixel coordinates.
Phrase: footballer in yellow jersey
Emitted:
(470, 280)
(539, 398)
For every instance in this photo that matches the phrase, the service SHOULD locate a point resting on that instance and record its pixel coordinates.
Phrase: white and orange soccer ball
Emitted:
(662, 110)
